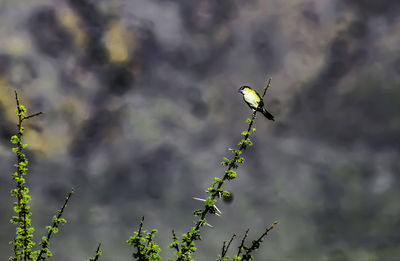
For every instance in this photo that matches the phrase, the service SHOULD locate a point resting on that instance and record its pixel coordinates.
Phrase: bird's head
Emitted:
(244, 89)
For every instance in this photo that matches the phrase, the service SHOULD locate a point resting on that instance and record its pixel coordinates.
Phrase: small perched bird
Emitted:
(253, 99)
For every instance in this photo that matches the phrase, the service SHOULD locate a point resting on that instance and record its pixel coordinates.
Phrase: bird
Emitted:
(253, 99)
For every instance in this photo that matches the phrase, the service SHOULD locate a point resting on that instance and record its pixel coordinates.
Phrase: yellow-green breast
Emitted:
(251, 97)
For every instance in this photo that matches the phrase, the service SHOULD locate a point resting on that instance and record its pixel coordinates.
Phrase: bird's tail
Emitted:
(267, 114)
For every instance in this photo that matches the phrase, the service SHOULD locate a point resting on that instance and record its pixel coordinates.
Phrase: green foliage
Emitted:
(15, 139)
(23, 242)
(96, 257)
(143, 241)
(146, 248)
(186, 247)
(245, 133)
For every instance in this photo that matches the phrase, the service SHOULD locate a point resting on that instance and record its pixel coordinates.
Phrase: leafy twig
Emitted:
(98, 253)
(254, 246)
(187, 245)
(57, 220)
(143, 242)
(225, 248)
(23, 241)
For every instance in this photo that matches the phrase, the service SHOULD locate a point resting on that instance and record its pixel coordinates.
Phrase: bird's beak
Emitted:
(239, 91)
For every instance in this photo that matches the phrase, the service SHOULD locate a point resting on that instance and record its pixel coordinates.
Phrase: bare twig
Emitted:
(266, 87)
(33, 115)
(242, 243)
(141, 225)
(225, 249)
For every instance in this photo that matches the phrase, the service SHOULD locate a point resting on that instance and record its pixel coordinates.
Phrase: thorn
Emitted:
(218, 211)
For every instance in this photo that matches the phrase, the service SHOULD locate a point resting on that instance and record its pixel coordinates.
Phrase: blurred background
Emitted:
(141, 105)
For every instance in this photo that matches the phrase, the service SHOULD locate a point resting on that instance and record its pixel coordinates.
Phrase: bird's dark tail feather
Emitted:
(267, 114)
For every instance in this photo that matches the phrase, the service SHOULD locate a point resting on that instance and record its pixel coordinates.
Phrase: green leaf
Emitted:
(226, 193)
(245, 133)
(14, 139)
(216, 181)
(230, 174)
(225, 161)
(210, 202)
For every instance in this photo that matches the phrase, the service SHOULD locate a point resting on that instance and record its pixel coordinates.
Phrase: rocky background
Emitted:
(141, 104)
